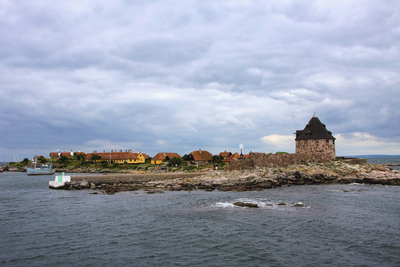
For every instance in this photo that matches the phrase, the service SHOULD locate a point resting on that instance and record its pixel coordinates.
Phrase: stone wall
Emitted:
(276, 160)
(316, 146)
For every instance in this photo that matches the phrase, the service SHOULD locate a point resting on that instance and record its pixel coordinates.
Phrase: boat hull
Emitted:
(39, 171)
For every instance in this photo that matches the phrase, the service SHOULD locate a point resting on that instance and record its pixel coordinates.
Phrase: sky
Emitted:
(178, 76)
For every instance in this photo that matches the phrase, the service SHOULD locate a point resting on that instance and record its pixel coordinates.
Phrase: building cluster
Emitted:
(312, 140)
(195, 158)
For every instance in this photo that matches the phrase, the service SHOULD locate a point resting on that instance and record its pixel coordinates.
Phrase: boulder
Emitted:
(220, 181)
(245, 204)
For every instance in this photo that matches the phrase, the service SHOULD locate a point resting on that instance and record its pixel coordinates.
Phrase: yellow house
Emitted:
(118, 156)
(162, 157)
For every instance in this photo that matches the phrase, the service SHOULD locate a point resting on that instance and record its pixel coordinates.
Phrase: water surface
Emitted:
(339, 225)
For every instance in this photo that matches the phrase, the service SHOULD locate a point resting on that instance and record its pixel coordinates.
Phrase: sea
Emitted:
(338, 225)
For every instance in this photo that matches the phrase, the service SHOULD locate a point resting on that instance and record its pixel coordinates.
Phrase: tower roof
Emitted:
(314, 129)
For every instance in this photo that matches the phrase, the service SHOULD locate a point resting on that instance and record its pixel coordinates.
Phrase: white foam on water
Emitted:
(261, 204)
(224, 205)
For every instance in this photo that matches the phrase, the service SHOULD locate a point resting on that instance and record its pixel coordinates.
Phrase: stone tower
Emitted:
(315, 139)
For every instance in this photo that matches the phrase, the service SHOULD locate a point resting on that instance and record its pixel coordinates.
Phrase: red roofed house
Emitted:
(67, 154)
(199, 158)
(162, 157)
(54, 154)
(234, 156)
(118, 156)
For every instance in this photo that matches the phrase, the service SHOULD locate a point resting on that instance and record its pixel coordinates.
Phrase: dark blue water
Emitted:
(339, 225)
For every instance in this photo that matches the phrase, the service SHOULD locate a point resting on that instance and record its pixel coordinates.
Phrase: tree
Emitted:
(42, 159)
(95, 157)
(63, 159)
(185, 157)
(217, 159)
(175, 162)
(79, 157)
(104, 164)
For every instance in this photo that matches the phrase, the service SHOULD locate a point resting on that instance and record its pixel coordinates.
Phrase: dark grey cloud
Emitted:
(184, 75)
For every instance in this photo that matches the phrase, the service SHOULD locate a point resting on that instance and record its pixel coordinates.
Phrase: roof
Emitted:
(164, 155)
(235, 156)
(225, 154)
(314, 129)
(114, 155)
(201, 155)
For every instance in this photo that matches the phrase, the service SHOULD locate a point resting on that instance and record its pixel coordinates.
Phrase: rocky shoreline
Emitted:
(254, 179)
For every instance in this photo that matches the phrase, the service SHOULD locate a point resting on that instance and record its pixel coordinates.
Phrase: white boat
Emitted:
(46, 169)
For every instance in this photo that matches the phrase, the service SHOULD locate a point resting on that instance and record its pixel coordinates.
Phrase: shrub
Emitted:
(104, 164)
(175, 162)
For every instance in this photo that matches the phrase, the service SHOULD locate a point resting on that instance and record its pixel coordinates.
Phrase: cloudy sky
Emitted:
(178, 76)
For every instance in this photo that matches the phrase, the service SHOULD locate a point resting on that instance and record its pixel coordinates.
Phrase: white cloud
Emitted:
(362, 143)
(279, 142)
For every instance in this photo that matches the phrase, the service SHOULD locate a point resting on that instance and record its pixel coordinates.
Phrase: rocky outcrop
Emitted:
(255, 178)
(245, 204)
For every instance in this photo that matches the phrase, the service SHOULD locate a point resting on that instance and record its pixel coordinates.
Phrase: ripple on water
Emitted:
(43, 227)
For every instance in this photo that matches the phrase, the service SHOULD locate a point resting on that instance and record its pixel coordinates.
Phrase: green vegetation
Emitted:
(176, 162)
(95, 157)
(218, 159)
(20, 164)
(42, 160)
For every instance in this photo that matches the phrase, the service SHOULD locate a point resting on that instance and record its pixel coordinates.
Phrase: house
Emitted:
(55, 154)
(315, 139)
(118, 156)
(225, 154)
(162, 157)
(199, 158)
(234, 156)
(66, 154)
